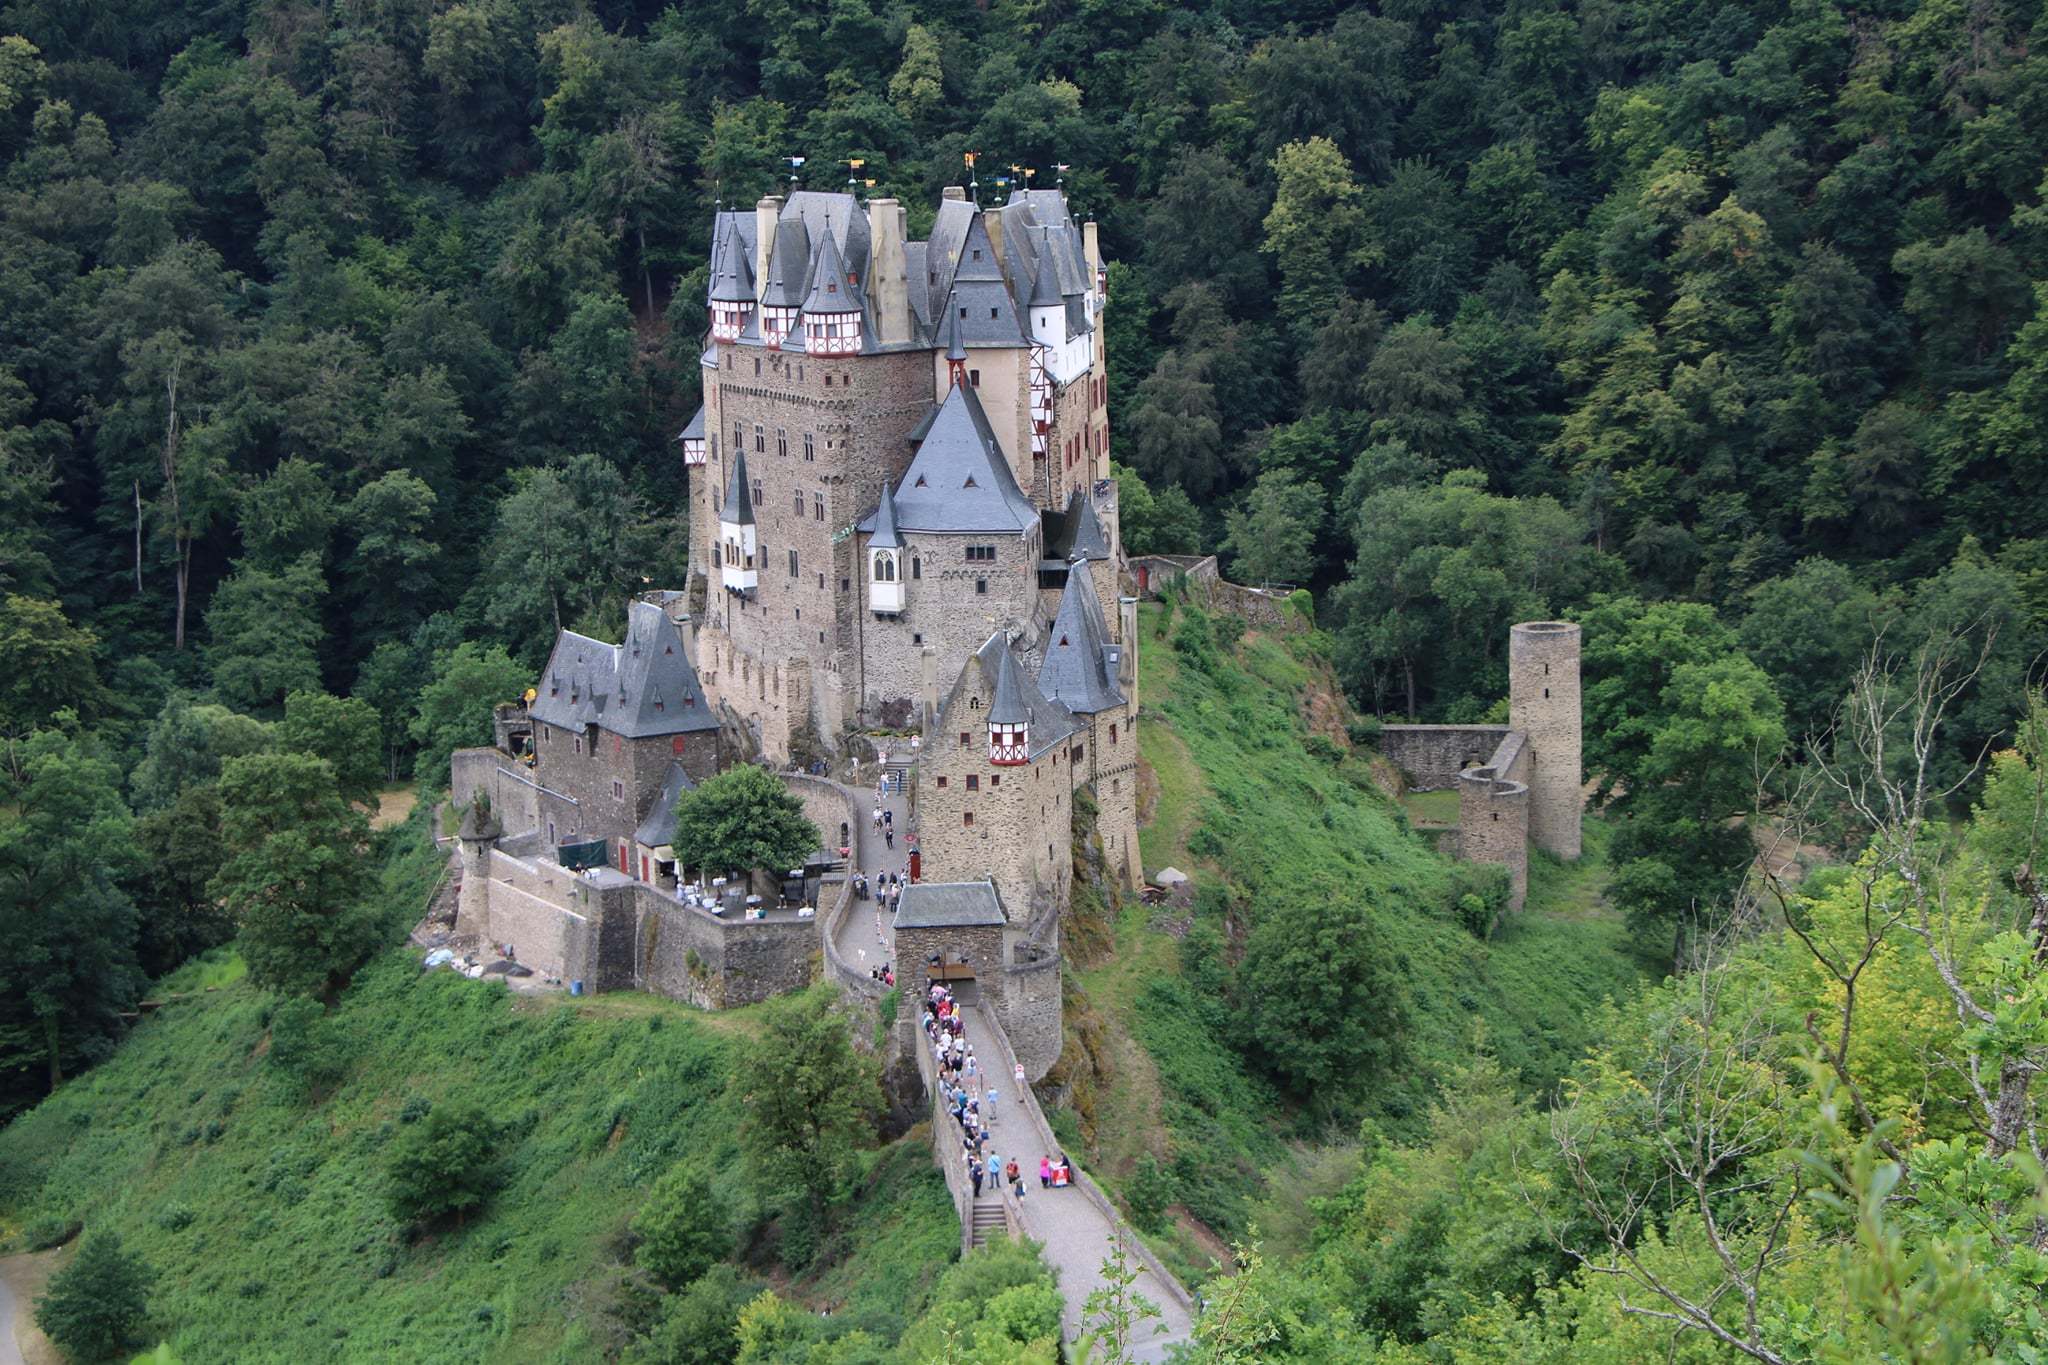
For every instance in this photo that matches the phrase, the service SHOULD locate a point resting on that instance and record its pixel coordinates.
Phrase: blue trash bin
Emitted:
(575, 988)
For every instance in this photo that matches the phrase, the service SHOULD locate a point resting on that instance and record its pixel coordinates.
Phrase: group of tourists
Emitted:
(970, 1096)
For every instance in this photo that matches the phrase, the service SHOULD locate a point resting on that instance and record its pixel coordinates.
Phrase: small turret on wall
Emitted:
(477, 836)
(1543, 703)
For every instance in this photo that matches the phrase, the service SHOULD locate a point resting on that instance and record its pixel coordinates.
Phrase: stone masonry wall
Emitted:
(827, 805)
(687, 954)
(946, 607)
(1543, 702)
(513, 797)
(1493, 826)
(585, 772)
(1029, 1010)
(530, 908)
(1432, 756)
(978, 945)
(1112, 767)
(1019, 837)
(858, 412)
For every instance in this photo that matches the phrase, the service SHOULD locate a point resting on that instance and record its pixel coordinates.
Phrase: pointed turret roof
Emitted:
(789, 260)
(830, 293)
(694, 430)
(1045, 290)
(955, 349)
(1006, 704)
(960, 480)
(732, 274)
(1080, 664)
(739, 502)
(884, 536)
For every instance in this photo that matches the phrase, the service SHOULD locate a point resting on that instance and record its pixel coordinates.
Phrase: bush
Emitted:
(699, 1326)
(1364, 730)
(1148, 1194)
(685, 1228)
(98, 1302)
(1323, 747)
(303, 1049)
(444, 1164)
(48, 1231)
(1477, 894)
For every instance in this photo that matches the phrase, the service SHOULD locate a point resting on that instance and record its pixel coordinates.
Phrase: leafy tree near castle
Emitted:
(808, 1102)
(97, 1303)
(742, 820)
(296, 852)
(343, 730)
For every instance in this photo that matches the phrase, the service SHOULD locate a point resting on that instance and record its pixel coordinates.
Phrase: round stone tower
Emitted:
(1543, 703)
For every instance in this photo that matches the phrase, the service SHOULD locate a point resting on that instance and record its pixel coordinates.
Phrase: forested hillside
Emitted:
(342, 348)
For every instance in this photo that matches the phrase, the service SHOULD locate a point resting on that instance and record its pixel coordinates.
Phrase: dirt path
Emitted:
(21, 1280)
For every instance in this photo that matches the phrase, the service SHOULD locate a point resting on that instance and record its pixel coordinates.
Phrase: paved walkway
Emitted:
(1073, 1229)
(865, 937)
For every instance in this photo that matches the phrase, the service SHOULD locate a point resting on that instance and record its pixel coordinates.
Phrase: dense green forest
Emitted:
(342, 346)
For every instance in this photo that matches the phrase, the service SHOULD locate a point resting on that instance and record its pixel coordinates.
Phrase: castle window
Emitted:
(1112, 732)
(973, 783)
(916, 567)
(578, 742)
(757, 367)
(618, 790)
(917, 637)
(981, 553)
(942, 782)
(817, 507)
(963, 739)
(799, 502)
(885, 567)
(717, 555)
(821, 582)
(995, 779)
(967, 819)
(981, 587)
(675, 746)
(760, 438)
(739, 438)
(759, 501)
(845, 585)
(792, 563)
(974, 378)
(781, 441)
(977, 253)
(992, 313)
(1546, 694)
(1116, 784)
(828, 381)
(810, 446)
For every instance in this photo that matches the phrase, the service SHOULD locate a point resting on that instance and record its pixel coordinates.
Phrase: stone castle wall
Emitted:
(1544, 703)
(1493, 826)
(1019, 837)
(1029, 1009)
(1432, 756)
(950, 604)
(515, 797)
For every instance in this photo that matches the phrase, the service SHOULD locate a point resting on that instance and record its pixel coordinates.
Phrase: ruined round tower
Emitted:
(1543, 703)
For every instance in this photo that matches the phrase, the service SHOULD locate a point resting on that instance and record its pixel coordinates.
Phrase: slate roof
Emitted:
(1075, 532)
(1080, 664)
(732, 268)
(1016, 696)
(739, 499)
(659, 828)
(884, 536)
(1045, 289)
(789, 262)
(694, 431)
(830, 293)
(948, 905)
(960, 480)
(640, 688)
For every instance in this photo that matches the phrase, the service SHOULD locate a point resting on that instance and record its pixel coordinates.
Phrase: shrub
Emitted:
(1148, 1194)
(699, 1326)
(444, 1164)
(685, 1228)
(48, 1231)
(1364, 730)
(98, 1302)
(1303, 605)
(303, 1049)
(1323, 747)
(1477, 894)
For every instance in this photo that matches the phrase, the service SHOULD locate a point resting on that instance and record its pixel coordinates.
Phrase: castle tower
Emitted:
(1543, 703)
(477, 836)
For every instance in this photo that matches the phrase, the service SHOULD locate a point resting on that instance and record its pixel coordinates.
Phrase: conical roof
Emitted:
(1079, 669)
(960, 480)
(1090, 540)
(884, 536)
(830, 293)
(732, 274)
(739, 502)
(1007, 706)
(955, 348)
(1045, 290)
(788, 263)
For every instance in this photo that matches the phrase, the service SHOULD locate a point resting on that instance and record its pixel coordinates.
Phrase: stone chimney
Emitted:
(956, 192)
(993, 221)
(1091, 248)
(888, 271)
(767, 214)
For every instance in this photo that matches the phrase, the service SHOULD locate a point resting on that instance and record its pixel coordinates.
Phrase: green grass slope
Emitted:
(1252, 795)
(263, 1213)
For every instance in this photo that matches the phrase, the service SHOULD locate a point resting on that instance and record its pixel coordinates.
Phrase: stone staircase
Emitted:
(988, 1221)
(897, 771)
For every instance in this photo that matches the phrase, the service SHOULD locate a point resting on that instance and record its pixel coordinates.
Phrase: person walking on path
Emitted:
(974, 1169)
(995, 1171)
(989, 1106)
(1016, 1178)
(1044, 1172)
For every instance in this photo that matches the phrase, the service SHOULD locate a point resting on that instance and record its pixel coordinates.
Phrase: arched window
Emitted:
(885, 566)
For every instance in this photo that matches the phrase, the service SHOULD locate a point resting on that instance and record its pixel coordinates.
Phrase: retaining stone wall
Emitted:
(1029, 1008)
(1432, 756)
